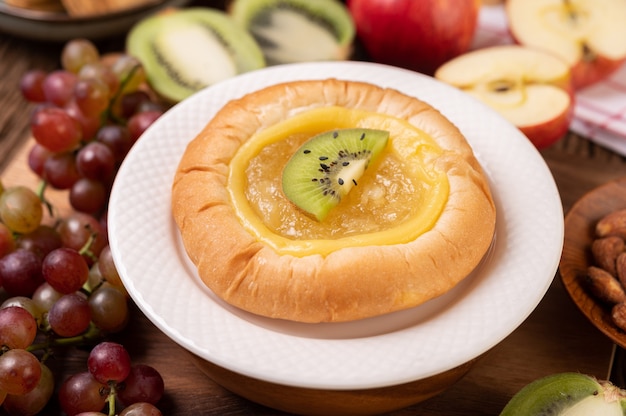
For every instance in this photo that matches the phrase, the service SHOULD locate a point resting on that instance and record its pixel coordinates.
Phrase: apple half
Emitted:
(530, 88)
(589, 35)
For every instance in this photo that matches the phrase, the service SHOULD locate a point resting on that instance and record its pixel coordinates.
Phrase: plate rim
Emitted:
(323, 69)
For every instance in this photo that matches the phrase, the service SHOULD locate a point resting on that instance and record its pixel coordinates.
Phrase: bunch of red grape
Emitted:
(110, 374)
(57, 273)
(63, 289)
(88, 116)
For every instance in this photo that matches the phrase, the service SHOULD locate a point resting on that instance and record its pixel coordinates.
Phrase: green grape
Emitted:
(107, 267)
(45, 296)
(109, 309)
(77, 53)
(21, 209)
(91, 96)
(101, 72)
(130, 72)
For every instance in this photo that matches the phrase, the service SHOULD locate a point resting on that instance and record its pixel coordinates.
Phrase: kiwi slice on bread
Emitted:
(290, 31)
(326, 167)
(185, 50)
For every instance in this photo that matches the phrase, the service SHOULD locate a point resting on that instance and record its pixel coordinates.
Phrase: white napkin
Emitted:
(600, 109)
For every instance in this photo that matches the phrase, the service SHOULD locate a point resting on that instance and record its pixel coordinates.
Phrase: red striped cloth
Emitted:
(600, 109)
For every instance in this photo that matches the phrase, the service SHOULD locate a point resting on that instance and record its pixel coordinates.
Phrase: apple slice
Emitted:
(529, 87)
(589, 35)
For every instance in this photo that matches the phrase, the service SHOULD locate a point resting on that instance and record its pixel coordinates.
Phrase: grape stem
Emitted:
(85, 250)
(92, 334)
(108, 113)
(111, 398)
(41, 188)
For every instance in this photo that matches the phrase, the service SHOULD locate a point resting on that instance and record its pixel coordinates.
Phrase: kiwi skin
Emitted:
(332, 15)
(326, 167)
(556, 393)
(186, 50)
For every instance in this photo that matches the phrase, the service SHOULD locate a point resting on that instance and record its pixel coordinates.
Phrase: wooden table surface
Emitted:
(555, 338)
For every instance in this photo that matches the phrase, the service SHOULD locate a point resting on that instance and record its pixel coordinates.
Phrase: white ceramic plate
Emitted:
(377, 352)
(58, 27)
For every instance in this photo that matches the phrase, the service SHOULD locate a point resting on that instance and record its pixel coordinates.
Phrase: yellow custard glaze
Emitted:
(398, 198)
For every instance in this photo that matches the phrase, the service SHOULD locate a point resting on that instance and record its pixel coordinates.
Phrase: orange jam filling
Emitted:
(399, 197)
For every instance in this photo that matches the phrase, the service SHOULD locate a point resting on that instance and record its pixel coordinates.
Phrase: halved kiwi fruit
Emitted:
(185, 50)
(291, 31)
(571, 394)
(326, 167)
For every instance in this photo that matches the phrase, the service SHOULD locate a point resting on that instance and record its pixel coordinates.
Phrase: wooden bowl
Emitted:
(307, 401)
(580, 224)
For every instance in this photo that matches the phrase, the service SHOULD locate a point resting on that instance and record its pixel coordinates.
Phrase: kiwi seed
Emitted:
(325, 168)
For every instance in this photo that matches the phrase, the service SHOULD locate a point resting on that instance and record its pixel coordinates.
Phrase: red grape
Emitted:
(20, 371)
(138, 123)
(35, 400)
(89, 124)
(20, 272)
(88, 195)
(141, 409)
(70, 315)
(65, 269)
(26, 303)
(60, 171)
(55, 129)
(18, 327)
(109, 361)
(117, 138)
(37, 157)
(131, 102)
(143, 384)
(96, 161)
(41, 241)
(31, 85)
(77, 228)
(58, 87)
(82, 393)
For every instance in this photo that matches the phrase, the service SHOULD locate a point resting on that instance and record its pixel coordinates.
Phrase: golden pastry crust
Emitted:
(350, 283)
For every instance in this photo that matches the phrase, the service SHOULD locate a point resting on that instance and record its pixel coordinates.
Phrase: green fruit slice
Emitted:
(186, 50)
(291, 31)
(325, 168)
(571, 394)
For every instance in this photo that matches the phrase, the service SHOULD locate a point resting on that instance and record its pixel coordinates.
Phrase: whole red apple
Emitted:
(416, 34)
